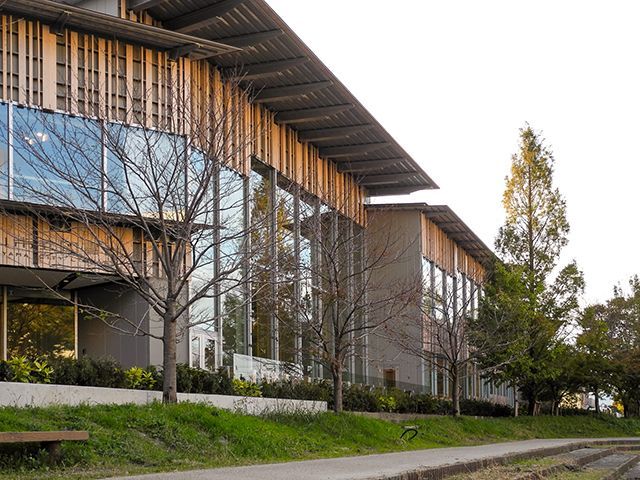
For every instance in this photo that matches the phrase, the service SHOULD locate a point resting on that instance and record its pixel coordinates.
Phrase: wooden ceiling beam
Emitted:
(382, 191)
(250, 39)
(202, 17)
(383, 179)
(351, 150)
(364, 165)
(265, 69)
(141, 5)
(334, 133)
(182, 51)
(289, 91)
(311, 114)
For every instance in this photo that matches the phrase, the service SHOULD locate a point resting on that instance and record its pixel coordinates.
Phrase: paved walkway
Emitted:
(364, 467)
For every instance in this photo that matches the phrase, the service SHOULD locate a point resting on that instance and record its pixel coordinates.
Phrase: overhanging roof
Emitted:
(61, 15)
(292, 81)
(451, 224)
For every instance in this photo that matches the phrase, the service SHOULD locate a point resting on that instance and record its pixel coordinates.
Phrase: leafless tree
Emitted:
(343, 295)
(439, 333)
(157, 213)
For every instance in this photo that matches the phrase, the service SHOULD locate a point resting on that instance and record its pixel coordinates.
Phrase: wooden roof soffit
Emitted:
(202, 17)
(351, 150)
(311, 114)
(256, 71)
(333, 133)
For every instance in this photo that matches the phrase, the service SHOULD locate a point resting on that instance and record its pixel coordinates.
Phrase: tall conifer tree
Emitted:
(533, 235)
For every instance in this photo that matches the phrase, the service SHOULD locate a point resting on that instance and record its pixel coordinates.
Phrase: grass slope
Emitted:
(137, 439)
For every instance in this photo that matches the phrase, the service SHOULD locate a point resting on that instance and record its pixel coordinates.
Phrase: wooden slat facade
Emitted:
(109, 79)
(446, 253)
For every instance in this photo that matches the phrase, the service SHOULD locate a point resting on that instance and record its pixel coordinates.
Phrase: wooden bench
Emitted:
(49, 440)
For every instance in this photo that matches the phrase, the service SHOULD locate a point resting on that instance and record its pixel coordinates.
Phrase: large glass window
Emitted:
(231, 266)
(308, 308)
(146, 171)
(262, 260)
(4, 151)
(286, 276)
(57, 159)
(39, 324)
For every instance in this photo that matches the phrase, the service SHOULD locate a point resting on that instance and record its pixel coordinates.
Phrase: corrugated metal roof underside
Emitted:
(368, 152)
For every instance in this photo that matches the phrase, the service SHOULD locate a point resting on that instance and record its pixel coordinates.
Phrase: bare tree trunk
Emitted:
(597, 395)
(336, 373)
(169, 376)
(516, 402)
(455, 390)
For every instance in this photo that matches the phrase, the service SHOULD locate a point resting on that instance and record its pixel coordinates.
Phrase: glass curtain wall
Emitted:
(286, 216)
(231, 265)
(262, 259)
(57, 159)
(308, 308)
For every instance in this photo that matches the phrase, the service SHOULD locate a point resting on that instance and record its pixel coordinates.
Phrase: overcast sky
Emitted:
(453, 81)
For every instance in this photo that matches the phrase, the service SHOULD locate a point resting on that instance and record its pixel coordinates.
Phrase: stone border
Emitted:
(14, 394)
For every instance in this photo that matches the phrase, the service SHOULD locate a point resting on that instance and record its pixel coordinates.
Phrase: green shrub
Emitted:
(196, 380)
(320, 390)
(5, 371)
(387, 403)
(246, 389)
(139, 379)
(21, 369)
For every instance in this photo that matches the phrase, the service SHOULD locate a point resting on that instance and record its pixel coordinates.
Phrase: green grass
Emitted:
(137, 439)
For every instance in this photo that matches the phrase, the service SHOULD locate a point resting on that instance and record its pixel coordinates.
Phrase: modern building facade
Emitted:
(451, 262)
(300, 150)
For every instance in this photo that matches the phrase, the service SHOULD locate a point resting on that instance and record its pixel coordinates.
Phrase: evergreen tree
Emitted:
(531, 240)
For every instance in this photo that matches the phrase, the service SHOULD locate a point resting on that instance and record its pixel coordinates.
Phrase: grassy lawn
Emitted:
(133, 439)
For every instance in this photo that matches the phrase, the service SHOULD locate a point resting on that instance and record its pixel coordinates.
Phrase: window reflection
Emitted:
(57, 159)
(232, 301)
(286, 304)
(145, 171)
(4, 151)
(39, 324)
(262, 260)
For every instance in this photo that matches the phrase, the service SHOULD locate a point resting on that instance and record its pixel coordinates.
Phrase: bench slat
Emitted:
(25, 437)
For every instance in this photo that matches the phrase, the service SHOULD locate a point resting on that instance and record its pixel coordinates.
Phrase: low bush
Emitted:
(106, 372)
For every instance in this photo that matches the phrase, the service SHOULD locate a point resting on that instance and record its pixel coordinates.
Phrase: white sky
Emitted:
(454, 80)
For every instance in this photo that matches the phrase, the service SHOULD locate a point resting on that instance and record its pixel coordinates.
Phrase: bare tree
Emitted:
(156, 212)
(343, 297)
(440, 333)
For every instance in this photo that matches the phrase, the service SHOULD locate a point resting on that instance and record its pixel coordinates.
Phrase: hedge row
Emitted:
(105, 372)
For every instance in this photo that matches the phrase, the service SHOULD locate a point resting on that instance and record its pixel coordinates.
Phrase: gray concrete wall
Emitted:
(96, 338)
(402, 228)
(40, 395)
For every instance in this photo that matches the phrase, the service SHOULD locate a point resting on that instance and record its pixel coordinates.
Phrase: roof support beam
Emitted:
(284, 93)
(58, 26)
(351, 150)
(202, 17)
(182, 51)
(251, 39)
(141, 5)
(311, 114)
(382, 191)
(383, 179)
(265, 69)
(365, 165)
(331, 133)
